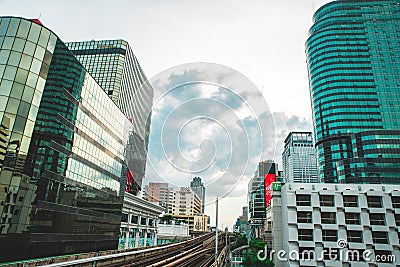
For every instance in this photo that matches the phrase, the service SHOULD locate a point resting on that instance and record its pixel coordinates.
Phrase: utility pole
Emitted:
(216, 231)
(226, 236)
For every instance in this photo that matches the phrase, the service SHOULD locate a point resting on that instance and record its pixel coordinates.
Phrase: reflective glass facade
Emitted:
(353, 57)
(114, 66)
(256, 198)
(62, 146)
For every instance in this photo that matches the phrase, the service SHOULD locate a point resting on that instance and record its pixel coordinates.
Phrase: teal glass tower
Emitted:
(353, 57)
(63, 143)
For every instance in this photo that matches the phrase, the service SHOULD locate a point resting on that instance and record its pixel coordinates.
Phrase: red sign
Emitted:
(130, 181)
(268, 180)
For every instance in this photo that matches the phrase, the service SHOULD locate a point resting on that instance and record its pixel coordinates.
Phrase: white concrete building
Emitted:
(169, 232)
(355, 220)
(185, 202)
(139, 222)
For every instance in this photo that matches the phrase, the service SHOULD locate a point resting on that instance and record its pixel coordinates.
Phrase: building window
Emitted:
(329, 235)
(352, 218)
(143, 221)
(396, 202)
(151, 222)
(306, 253)
(303, 200)
(354, 236)
(305, 234)
(326, 201)
(328, 217)
(356, 255)
(330, 254)
(374, 201)
(379, 237)
(304, 217)
(397, 219)
(377, 218)
(350, 201)
(134, 219)
(124, 217)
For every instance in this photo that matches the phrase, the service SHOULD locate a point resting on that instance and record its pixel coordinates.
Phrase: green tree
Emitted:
(251, 258)
(166, 218)
(241, 240)
(257, 244)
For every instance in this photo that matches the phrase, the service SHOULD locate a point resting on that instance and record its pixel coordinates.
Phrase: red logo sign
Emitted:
(268, 180)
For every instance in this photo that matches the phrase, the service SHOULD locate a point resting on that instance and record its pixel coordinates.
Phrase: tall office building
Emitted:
(62, 149)
(185, 202)
(197, 186)
(160, 193)
(298, 158)
(256, 191)
(256, 198)
(353, 57)
(114, 66)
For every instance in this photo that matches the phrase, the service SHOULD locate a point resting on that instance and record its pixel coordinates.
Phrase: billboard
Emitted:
(268, 180)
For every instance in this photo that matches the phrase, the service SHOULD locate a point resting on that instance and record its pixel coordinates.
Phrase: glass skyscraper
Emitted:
(353, 57)
(298, 158)
(62, 149)
(198, 187)
(114, 66)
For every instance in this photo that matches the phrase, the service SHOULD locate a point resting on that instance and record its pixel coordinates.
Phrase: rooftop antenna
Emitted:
(40, 15)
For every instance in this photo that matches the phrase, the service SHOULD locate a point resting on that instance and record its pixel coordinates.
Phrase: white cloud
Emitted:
(263, 39)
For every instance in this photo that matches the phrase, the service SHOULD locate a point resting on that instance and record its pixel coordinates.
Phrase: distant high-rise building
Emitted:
(197, 186)
(160, 193)
(353, 57)
(256, 190)
(114, 66)
(267, 167)
(298, 158)
(185, 202)
(62, 149)
(185, 206)
(242, 221)
(256, 198)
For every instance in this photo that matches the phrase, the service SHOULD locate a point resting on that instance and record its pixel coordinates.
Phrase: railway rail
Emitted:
(196, 252)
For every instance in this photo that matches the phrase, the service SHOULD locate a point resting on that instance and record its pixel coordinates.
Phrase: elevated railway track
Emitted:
(196, 252)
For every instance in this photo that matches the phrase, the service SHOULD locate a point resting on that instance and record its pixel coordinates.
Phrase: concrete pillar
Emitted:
(155, 231)
(137, 238)
(155, 237)
(126, 244)
(145, 238)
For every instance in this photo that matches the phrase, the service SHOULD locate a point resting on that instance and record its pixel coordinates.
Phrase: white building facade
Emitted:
(299, 158)
(335, 224)
(185, 202)
(139, 222)
(170, 232)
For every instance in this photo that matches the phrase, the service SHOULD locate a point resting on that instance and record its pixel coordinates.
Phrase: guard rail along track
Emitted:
(196, 252)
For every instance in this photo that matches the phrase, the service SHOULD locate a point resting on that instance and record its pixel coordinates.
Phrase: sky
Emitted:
(209, 127)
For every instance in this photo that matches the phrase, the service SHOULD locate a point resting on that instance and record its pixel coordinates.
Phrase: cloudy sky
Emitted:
(261, 40)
